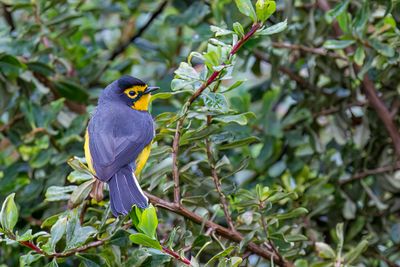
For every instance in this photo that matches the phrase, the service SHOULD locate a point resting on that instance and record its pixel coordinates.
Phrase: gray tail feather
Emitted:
(125, 192)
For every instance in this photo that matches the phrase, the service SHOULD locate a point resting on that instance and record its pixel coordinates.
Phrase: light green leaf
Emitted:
(148, 222)
(292, 214)
(221, 254)
(355, 252)
(359, 56)
(81, 192)
(9, 213)
(239, 143)
(277, 28)
(76, 234)
(239, 119)
(57, 231)
(383, 49)
(338, 44)
(186, 72)
(92, 260)
(219, 31)
(336, 11)
(264, 9)
(246, 8)
(324, 250)
(57, 193)
(144, 240)
(28, 259)
(238, 28)
(79, 177)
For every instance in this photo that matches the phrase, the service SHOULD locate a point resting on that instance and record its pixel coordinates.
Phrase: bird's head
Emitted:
(134, 92)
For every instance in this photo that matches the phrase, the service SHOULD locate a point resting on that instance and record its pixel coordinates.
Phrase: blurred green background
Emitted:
(297, 142)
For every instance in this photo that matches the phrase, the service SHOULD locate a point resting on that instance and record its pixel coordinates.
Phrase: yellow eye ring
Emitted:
(132, 93)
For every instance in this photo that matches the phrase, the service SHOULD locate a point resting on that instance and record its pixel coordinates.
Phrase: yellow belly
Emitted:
(142, 159)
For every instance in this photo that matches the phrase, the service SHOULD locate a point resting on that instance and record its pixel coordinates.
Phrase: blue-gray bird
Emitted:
(118, 140)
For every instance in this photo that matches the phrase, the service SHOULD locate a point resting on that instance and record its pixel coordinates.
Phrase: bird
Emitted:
(118, 141)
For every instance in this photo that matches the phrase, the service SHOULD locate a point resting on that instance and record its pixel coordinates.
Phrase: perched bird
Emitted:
(118, 140)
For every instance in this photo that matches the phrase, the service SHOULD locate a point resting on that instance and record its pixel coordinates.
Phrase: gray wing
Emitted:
(117, 138)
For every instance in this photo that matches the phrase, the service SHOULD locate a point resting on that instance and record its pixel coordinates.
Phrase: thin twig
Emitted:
(313, 50)
(121, 48)
(8, 17)
(217, 183)
(379, 170)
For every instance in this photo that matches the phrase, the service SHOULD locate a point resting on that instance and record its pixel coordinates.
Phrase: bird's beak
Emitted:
(150, 89)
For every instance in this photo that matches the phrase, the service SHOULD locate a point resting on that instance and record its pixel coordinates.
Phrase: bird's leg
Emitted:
(97, 190)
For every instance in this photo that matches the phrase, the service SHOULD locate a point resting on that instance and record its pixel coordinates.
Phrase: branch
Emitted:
(8, 17)
(220, 230)
(196, 94)
(313, 50)
(370, 90)
(303, 83)
(217, 182)
(121, 48)
(379, 170)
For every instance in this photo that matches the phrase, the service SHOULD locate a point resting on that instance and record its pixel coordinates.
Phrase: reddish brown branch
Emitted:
(176, 256)
(220, 230)
(32, 246)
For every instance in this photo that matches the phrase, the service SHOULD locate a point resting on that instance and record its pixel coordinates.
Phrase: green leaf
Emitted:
(26, 236)
(41, 68)
(361, 19)
(277, 28)
(215, 102)
(264, 9)
(186, 72)
(338, 44)
(383, 49)
(219, 31)
(71, 91)
(295, 238)
(92, 260)
(57, 232)
(81, 193)
(221, 254)
(240, 119)
(246, 8)
(292, 214)
(359, 56)
(238, 28)
(28, 259)
(239, 143)
(324, 250)
(336, 11)
(77, 177)
(9, 213)
(144, 240)
(355, 252)
(58, 193)
(76, 234)
(148, 222)
(53, 263)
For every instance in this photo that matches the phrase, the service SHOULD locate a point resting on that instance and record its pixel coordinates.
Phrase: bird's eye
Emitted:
(132, 93)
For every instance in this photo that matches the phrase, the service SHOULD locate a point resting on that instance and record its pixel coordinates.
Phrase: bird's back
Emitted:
(117, 135)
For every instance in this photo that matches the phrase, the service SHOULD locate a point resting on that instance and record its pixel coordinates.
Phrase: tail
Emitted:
(125, 192)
